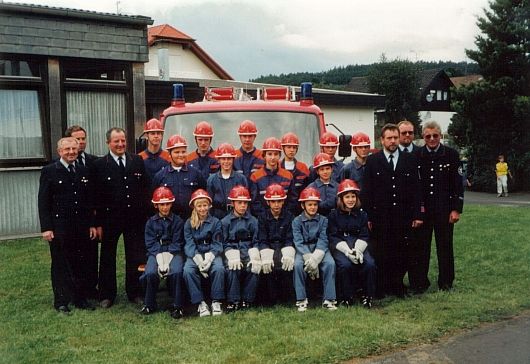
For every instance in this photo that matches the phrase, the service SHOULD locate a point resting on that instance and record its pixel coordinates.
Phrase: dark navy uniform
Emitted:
(182, 183)
(443, 192)
(122, 205)
(65, 207)
(391, 199)
(354, 171)
(328, 195)
(218, 189)
(207, 164)
(154, 162)
(349, 226)
(208, 237)
(301, 177)
(276, 233)
(163, 234)
(248, 162)
(241, 233)
(263, 178)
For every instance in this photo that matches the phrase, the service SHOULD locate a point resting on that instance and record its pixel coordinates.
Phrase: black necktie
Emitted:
(71, 168)
(80, 160)
(391, 161)
(120, 163)
(406, 149)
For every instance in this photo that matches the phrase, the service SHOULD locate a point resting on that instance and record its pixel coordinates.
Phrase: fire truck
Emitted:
(275, 110)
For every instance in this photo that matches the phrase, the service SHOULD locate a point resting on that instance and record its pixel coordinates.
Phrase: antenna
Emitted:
(118, 7)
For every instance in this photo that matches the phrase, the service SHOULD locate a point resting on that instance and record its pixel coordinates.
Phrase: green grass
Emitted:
(492, 282)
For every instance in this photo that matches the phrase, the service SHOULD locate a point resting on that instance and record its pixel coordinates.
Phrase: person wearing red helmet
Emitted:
(270, 173)
(164, 244)
(348, 240)
(299, 170)
(391, 198)
(325, 184)
(204, 247)
(360, 143)
(312, 251)
(248, 159)
(122, 209)
(203, 158)
(328, 144)
(220, 183)
(243, 261)
(275, 240)
(155, 158)
(179, 176)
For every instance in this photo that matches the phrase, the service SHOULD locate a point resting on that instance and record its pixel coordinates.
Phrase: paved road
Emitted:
(502, 342)
(513, 199)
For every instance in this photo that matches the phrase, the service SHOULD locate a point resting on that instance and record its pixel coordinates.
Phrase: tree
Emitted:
(398, 80)
(493, 116)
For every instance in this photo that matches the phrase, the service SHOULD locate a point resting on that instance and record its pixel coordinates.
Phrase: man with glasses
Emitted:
(406, 137)
(443, 197)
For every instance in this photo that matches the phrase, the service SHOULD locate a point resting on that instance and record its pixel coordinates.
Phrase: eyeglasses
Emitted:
(407, 133)
(431, 136)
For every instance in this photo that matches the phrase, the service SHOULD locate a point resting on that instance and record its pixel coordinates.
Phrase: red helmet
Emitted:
(360, 139)
(290, 139)
(203, 129)
(176, 141)
(239, 193)
(309, 194)
(247, 127)
(328, 139)
(200, 193)
(163, 195)
(272, 144)
(153, 125)
(347, 185)
(225, 150)
(275, 192)
(322, 159)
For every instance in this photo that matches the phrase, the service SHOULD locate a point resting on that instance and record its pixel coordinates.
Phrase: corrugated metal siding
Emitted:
(18, 202)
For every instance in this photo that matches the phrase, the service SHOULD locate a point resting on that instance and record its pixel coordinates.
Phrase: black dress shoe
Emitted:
(106, 303)
(63, 309)
(146, 310)
(176, 313)
(84, 305)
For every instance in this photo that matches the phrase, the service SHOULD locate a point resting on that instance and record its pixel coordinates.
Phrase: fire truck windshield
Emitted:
(269, 124)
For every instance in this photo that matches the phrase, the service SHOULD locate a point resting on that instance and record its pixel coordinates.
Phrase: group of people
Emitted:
(243, 226)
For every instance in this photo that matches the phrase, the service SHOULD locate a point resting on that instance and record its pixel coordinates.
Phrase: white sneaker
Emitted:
(302, 305)
(203, 309)
(329, 305)
(216, 308)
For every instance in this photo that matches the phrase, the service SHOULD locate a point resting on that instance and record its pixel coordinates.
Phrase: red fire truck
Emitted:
(275, 110)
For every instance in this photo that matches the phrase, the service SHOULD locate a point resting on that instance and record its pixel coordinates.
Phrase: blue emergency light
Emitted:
(306, 91)
(178, 91)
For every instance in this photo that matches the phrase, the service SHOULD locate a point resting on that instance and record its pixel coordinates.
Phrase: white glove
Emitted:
(163, 260)
(207, 263)
(288, 258)
(360, 247)
(198, 260)
(310, 265)
(344, 248)
(234, 259)
(255, 260)
(267, 260)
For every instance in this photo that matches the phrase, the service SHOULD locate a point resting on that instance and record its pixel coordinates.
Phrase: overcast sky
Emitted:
(253, 38)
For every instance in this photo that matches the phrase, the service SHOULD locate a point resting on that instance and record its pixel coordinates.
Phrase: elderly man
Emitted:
(391, 199)
(122, 205)
(443, 196)
(406, 137)
(66, 220)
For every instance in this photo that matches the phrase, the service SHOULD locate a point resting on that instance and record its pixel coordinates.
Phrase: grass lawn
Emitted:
(492, 253)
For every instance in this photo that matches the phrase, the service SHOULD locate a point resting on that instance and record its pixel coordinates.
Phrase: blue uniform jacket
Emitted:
(207, 238)
(154, 162)
(300, 175)
(354, 171)
(248, 162)
(264, 177)
(206, 165)
(219, 188)
(275, 233)
(347, 226)
(164, 234)
(328, 195)
(240, 233)
(183, 183)
(310, 231)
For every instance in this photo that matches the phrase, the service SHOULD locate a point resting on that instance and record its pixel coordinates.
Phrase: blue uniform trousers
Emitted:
(216, 275)
(151, 280)
(353, 276)
(327, 273)
(241, 284)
